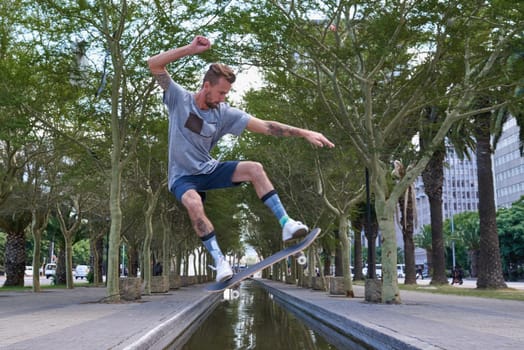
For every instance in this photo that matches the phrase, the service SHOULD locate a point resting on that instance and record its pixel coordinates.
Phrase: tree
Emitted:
(120, 36)
(14, 224)
(70, 220)
(407, 221)
(22, 73)
(291, 166)
(466, 235)
(490, 265)
(511, 234)
(433, 177)
(14, 123)
(485, 122)
(40, 205)
(367, 72)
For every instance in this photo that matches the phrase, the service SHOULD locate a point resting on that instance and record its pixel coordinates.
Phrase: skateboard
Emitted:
(296, 250)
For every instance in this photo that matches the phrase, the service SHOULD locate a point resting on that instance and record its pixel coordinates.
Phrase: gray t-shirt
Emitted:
(193, 132)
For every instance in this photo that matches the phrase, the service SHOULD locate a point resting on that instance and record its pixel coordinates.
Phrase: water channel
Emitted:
(254, 321)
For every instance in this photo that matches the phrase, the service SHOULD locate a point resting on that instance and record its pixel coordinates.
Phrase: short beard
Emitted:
(211, 104)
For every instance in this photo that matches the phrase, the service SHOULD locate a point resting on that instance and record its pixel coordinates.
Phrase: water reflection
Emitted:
(254, 321)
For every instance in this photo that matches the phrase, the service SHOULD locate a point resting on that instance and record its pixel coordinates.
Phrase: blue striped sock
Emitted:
(211, 244)
(272, 200)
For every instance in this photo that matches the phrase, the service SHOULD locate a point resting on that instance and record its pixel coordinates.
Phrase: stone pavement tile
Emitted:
(74, 319)
(423, 320)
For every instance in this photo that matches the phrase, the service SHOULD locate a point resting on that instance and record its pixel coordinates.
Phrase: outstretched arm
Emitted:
(278, 129)
(157, 64)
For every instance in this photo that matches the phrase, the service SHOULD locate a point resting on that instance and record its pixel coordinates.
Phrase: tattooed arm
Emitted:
(157, 64)
(278, 129)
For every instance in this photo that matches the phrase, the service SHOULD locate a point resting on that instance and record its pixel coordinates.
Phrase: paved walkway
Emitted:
(422, 321)
(74, 319)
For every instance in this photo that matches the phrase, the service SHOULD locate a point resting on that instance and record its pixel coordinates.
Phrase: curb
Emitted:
(179, 327)
(349, 333)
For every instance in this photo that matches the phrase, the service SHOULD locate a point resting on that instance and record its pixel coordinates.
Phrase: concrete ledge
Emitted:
(360, 335)
(171, 331)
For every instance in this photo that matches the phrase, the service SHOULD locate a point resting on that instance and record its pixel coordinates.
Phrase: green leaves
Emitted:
(510, 225)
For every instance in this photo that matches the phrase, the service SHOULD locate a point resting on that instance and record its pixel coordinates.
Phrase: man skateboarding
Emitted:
(196, 123)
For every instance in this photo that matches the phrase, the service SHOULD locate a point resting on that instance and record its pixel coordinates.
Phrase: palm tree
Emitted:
(433, 178)
(490, 264)
(407, 223)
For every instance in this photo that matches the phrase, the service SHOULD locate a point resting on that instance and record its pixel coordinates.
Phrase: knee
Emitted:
(192, 201)
(256, 170)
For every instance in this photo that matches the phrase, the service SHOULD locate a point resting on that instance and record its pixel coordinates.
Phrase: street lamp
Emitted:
(452, 241)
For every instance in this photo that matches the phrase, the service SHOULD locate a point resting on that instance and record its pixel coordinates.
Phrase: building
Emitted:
(459, 190)
(508, 166)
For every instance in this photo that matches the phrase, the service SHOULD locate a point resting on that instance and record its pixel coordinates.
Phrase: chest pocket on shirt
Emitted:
(200, 126)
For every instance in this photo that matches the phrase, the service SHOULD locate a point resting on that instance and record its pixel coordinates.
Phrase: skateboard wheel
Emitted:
(235, 294)
(302, 260)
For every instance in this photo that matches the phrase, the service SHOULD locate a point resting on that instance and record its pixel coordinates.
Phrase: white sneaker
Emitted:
(293, 230)
(224, 271)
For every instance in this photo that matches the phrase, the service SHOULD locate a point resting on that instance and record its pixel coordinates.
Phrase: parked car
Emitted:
(378, 270)
(28, 271)
(81, 271)
(50, 270)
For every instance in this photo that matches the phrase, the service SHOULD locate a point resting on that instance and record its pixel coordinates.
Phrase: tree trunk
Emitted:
(490, 265)
(372, 228)
(407, 224)
(38, 225)
(357, 248)
(339, 270)
(69, 261)
(166, 244)
(112, 275)
(97, 246)
(15, 259)
(327, 262)
(14, 225)
(68, 233)
(186, 264)
(433, 178)
(146, 254)
(371, 236)
(118, 119)
(60, 273)
(178, 264)
(386, 222)
(345, 245)
(474, 262)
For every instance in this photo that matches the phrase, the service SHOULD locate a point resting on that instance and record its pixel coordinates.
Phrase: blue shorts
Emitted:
(219, 178)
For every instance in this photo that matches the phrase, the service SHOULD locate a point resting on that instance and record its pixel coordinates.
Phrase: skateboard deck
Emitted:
(273, 259)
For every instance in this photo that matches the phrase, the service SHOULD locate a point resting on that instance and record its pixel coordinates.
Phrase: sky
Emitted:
(249, 78)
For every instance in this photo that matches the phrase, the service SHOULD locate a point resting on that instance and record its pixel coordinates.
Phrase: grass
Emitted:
(503, 294)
